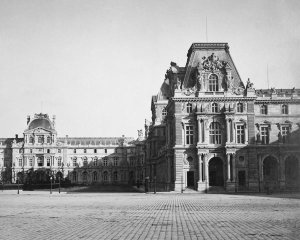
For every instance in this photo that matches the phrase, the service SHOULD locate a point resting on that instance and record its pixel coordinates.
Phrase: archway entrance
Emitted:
(291, 172)
(215, 172)
(270, 172)
(190, 179)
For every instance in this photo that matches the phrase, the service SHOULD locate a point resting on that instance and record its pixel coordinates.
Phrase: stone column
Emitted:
(233, 168)
(200, 168)
(281, 173)
(227, 131)
(203, 173)
(260, 173)
(199, 131)
(228, 168)
(233, 131)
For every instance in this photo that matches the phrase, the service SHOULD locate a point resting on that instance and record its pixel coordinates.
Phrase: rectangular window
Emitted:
(115, 161)
(95, 150)
(95, 161)
(30, 162)
(189, 133)
(48, 162)
(265, 135)
(240, 134)
(105, 162)
(59, 150)
(84, 150)
(59, 162)
(85, 162)
(20, 162)
(105, 150)
(284, 133)
(74, 151)
(74, 162)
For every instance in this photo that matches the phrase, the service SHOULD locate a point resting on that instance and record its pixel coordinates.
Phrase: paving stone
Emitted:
(39, 215)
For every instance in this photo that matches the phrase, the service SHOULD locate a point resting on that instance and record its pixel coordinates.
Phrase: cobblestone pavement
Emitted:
(39, 215)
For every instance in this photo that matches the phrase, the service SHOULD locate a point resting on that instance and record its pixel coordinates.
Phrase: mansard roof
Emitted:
(197, 54)
(279, 92)
(40, 121)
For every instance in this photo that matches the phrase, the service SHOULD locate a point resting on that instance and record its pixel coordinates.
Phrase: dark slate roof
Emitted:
(93, 141)
(43, 123)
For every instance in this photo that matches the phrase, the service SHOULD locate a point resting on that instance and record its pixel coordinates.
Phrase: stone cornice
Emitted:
(206, 46)
(262, 101)
(210, 99)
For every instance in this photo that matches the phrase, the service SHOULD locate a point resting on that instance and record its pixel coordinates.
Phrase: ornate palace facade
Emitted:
(210, 131)
(41, 154)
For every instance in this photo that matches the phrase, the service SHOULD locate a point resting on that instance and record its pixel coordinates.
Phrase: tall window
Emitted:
(74, 176)
(74, 162)
(265, 135)
(48, 139)
(48, 162)
(264, 109)
(189, 134)
(59, 150)
(105, 176)
(189, 108)
(284, 109)
(115, 176)
(31, 139)
(95, 176)
(59, 161)
(48, 150)
(30, 162)
(95, 161)
(95, 150)
(284, 133)
(215, 133)
(40, 161)
(40, 139)
(240, 134)
(214, 108)
(115, 161)
(74, 150)
(84, 150)
(105, 162)
(105, 150)
(20, 162)
(85, 162)
(239, 107)
(213, 83)
(164, 112)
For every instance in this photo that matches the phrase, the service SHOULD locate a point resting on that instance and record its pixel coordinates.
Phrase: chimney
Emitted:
(28, 119)
(17, 136)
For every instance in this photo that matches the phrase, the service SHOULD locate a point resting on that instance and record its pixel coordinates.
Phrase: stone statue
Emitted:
(249, 84)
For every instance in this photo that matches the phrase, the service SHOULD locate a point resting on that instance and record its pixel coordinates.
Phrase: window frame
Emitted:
(189, 134)
(213, 83)
(284, 109)
(240, 134)
(215, 133)
(265, 134)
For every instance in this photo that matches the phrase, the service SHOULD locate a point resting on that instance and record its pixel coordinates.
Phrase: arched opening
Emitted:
(95, 177)
(270, 172)
(215, 172)
(291, 172)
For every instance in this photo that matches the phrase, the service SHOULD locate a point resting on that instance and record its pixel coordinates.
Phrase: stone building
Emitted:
(40, 154)
(210, 131)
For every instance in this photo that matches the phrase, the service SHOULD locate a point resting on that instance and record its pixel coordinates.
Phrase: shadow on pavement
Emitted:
(102, 188)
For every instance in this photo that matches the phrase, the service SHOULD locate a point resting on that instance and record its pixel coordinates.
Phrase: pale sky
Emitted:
(95, 64)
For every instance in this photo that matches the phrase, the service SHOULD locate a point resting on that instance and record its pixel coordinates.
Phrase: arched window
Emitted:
(189, 108)
(164, 112)
(264, 109)
(284, 109)
(115, 176)
(74, 176)
(105, 176)
(84, 176)
(214, 108)
(239, 107)
(213, 83)
(95, 176)
(215, 133)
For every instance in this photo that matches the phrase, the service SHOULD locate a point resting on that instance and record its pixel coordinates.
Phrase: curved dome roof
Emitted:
(42, 123)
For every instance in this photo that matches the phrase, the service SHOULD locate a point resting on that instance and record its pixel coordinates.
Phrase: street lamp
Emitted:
(59, 183)
(51, 184)
(18, 184)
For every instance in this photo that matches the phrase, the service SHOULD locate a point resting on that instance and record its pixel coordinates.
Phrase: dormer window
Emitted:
(31, 139)
(40, 139)
(284, 109)
(189, 108)
(214, 108)
(264, 109)
(48, 139)
(239, 107)
(213, 83)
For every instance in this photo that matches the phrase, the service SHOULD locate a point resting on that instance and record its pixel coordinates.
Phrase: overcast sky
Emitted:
(95, 64)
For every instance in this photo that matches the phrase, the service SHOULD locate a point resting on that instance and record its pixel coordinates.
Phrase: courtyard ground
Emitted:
(39, 215)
